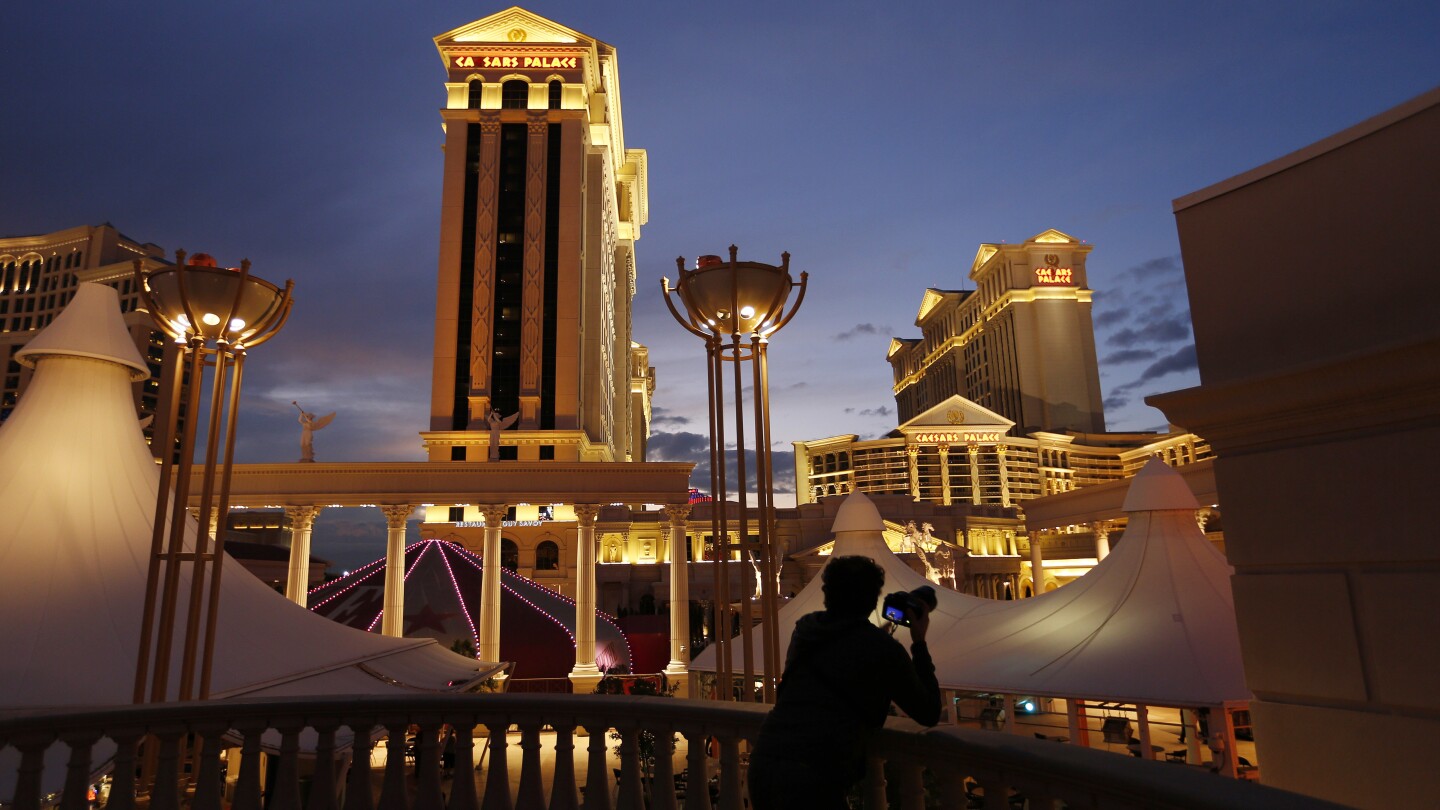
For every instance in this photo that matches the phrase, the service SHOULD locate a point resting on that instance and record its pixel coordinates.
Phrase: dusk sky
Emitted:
(879, 144)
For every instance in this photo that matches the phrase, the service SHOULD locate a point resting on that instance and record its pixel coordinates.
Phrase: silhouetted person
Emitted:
(841, 675)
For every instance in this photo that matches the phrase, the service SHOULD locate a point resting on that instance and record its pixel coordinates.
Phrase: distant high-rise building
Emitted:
(542, 204)
(1020, 344)
(38, 277)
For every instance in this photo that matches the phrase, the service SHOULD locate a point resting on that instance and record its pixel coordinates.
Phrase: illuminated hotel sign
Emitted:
(956, 437)
(1059, 276)
(495, 61)
(480, 524)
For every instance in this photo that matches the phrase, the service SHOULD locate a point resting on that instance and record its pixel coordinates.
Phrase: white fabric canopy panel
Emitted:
(1153, 623)
(77, 492)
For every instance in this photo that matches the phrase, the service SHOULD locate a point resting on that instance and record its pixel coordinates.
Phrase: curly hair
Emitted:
(852, 585)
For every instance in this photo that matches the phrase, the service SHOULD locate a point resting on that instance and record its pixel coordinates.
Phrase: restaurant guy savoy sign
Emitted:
(500, 61)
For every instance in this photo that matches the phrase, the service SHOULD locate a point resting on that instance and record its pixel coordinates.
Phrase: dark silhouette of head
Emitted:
(852, 586)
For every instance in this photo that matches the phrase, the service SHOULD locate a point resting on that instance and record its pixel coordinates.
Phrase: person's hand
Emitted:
(919, 625)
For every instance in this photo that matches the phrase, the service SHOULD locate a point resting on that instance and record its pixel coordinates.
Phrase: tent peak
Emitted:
(1158, 487)
(857, 513)
(89, 326)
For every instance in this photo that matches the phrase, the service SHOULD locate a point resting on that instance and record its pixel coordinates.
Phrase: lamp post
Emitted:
(735, 307)
(216, 314)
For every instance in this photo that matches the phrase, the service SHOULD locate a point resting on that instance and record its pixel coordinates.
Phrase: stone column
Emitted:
(944, 474)
(679, 666)
(392, 621)
(974, 451)
(297, 580)
(1037, 564)
(912, 454)
(1102, 539)
(585, 675)
(494, 514)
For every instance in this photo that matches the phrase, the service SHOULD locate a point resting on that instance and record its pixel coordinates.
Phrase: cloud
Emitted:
(1129, 356)
(1171, 329)
(1182, 359)
(662, 416)
(695, 449)
(863, 329)
(880, 411)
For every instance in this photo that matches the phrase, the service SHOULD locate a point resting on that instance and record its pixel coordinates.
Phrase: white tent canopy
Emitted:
(77, 491)
(1153, 623)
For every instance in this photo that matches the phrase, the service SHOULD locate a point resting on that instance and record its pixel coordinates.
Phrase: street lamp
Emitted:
(215, 314)
(744, 302)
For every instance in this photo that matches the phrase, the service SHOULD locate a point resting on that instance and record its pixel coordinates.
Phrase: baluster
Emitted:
(358, 795)
(912, 784)
(209, 779)
(874, 785)
(322, 785)
(562, 789)
(497, 774)
(287, 775)
(1039, 798)
(952, 786)
(165, 794)
(730, 787)
(392, 789)
(122, 784)
(597, 771)
(77, 772)
(462, 786)
(428, 795)
(997, 793)
(247, 787)
(662, 789)
(32, 768)
(631, 796)
(532, 788)
(697, 765)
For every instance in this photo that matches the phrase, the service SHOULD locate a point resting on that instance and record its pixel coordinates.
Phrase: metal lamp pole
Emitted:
(735, 307)
(216, 314)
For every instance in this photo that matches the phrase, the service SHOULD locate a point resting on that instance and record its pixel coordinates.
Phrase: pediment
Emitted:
(959, 419)
(1053, 236)
(982, 256)
(514, 26)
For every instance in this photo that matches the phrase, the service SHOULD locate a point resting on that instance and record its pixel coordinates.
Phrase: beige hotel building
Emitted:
(999, 405)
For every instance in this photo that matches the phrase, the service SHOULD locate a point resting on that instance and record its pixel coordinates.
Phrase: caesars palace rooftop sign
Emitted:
(956, 436)
(532, 61)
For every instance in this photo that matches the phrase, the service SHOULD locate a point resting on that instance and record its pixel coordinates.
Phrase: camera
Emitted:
(901, 607)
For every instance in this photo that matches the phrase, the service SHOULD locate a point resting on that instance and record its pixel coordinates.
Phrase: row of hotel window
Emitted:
(22, 277)
(514, 95)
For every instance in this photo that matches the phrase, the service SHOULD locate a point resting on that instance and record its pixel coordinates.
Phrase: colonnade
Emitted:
(585, 674)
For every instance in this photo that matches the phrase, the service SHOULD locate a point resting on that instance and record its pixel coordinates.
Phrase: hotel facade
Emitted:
(39, 275)
(1000, 405)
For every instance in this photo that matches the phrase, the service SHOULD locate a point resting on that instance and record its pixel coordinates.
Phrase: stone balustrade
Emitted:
(966, 767)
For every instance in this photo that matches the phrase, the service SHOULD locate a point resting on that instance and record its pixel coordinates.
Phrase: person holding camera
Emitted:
(841, 675)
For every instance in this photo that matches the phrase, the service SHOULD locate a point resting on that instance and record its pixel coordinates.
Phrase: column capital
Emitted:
(302, 517)
(912, 449)
(494, 514)
(973, 450)
(396, 513)
(585, 514)
(1000, 450)
(944, 449)
(676, 512)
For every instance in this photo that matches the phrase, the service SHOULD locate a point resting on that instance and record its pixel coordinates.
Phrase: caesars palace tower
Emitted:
(542, 205)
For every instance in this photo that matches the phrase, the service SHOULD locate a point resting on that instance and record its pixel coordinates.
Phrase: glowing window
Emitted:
(515, 95)
(547, 556)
